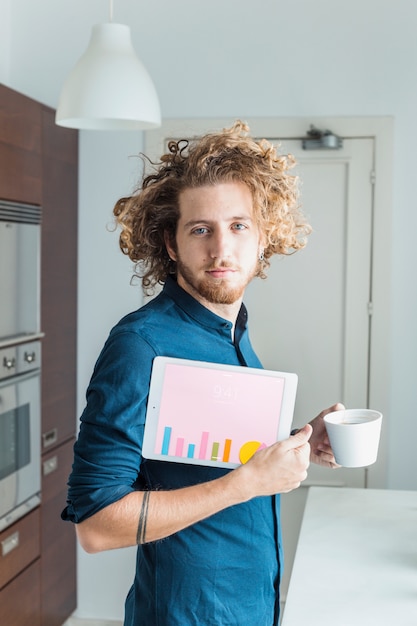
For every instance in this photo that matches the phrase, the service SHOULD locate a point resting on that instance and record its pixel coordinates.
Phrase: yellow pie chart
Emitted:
(248, 449)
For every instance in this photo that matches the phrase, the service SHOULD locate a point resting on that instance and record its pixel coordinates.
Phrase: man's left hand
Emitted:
(320, 450)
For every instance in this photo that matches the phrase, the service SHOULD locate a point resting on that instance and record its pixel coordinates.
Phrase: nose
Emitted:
(220, 244)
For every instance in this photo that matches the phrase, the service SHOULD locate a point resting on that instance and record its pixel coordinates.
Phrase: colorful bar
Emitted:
(215, 451)
(226, 452)
(166, 440)
(180, 446)
(203, 445)
(191, 450)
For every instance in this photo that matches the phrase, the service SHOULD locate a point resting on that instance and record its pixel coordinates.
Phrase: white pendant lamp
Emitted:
(109, 88)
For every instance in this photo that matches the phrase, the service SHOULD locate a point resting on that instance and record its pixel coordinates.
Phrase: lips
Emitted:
(221, 272)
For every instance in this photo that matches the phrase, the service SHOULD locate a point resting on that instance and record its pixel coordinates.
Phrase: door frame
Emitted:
(381, 129)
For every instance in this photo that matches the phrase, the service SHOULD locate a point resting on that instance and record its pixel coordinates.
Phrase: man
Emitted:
(205, 222)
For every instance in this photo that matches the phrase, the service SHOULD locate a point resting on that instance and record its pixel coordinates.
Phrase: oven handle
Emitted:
(10, 543)
(50, 465)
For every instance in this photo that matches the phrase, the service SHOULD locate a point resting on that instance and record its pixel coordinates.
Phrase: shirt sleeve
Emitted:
(108, 451)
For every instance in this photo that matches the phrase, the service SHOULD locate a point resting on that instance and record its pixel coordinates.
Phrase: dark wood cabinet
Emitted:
(20, 601)
(20, 546)
(39, 165)
(58, 566)
(20, 148)
(58, 280)
(59, 323)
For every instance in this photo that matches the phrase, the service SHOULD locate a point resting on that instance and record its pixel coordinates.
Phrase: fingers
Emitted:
(302, 435)
(335, 407)
(325, 459)
(298, 445)
(300, 438)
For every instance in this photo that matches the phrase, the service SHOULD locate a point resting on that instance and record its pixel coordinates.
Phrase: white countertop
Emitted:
(356, 560)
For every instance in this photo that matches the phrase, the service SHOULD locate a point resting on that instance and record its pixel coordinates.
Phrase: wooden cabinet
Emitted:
(58, 280)
(59, 323)
(39, 165)
(20, 147)
(20, 546)
(20, 589)
(20, 600)
(58, 566)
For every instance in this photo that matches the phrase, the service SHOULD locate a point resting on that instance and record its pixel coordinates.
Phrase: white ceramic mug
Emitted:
(354, 436)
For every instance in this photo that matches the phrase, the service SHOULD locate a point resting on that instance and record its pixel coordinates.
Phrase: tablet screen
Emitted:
(214, 414)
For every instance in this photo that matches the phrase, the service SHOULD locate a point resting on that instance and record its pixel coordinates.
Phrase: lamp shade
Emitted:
(109, 88)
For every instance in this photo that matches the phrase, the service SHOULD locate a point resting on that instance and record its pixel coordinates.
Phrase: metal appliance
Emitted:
(20, 236)
(20, 360)
(20, 472)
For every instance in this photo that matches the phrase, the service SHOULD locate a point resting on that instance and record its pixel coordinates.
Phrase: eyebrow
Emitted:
(236, 218)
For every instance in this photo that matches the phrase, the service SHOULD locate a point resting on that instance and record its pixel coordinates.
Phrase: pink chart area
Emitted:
(230, 415)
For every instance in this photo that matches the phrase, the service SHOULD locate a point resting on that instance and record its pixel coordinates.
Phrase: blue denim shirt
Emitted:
(222, 571)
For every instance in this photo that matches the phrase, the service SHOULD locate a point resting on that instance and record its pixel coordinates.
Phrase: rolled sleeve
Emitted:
(108, 450)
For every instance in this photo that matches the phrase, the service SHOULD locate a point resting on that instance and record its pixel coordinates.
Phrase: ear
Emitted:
(171, 249)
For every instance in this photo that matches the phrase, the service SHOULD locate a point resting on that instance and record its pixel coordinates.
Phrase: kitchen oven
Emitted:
(20, 360)
(20, 236)
(20, 475)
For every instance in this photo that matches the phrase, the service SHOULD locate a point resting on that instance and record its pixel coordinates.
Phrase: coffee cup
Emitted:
(354, 436)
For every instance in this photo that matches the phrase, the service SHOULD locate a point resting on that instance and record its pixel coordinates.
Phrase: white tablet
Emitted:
(211, 414)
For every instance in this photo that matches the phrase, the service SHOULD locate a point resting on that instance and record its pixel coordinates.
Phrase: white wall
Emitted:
(108, 169)
(240, 58)
(5, 39)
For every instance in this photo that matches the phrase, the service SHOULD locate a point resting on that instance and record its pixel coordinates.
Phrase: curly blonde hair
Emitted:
(226, 156)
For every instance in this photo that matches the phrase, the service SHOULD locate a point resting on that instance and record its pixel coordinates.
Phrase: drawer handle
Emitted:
(8, 363)
(51, 465)
(10, 543)
(30, 357)
(50, 438)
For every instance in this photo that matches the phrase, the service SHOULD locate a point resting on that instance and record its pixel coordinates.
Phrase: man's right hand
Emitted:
(280, 468)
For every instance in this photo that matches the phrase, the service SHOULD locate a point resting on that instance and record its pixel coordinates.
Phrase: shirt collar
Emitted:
(200, 313)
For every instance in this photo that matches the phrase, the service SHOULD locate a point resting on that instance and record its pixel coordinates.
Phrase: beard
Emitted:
(215, 292)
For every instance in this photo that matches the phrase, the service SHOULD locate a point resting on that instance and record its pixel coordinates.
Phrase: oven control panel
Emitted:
(19, 359)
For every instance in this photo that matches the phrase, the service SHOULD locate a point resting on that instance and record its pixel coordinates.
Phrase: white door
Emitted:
(312, 314)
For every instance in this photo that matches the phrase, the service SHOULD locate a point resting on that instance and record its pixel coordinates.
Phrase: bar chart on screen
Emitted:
(207, 449)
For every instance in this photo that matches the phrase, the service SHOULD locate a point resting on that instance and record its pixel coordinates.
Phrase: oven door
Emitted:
(20, 465)
(20, 234)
